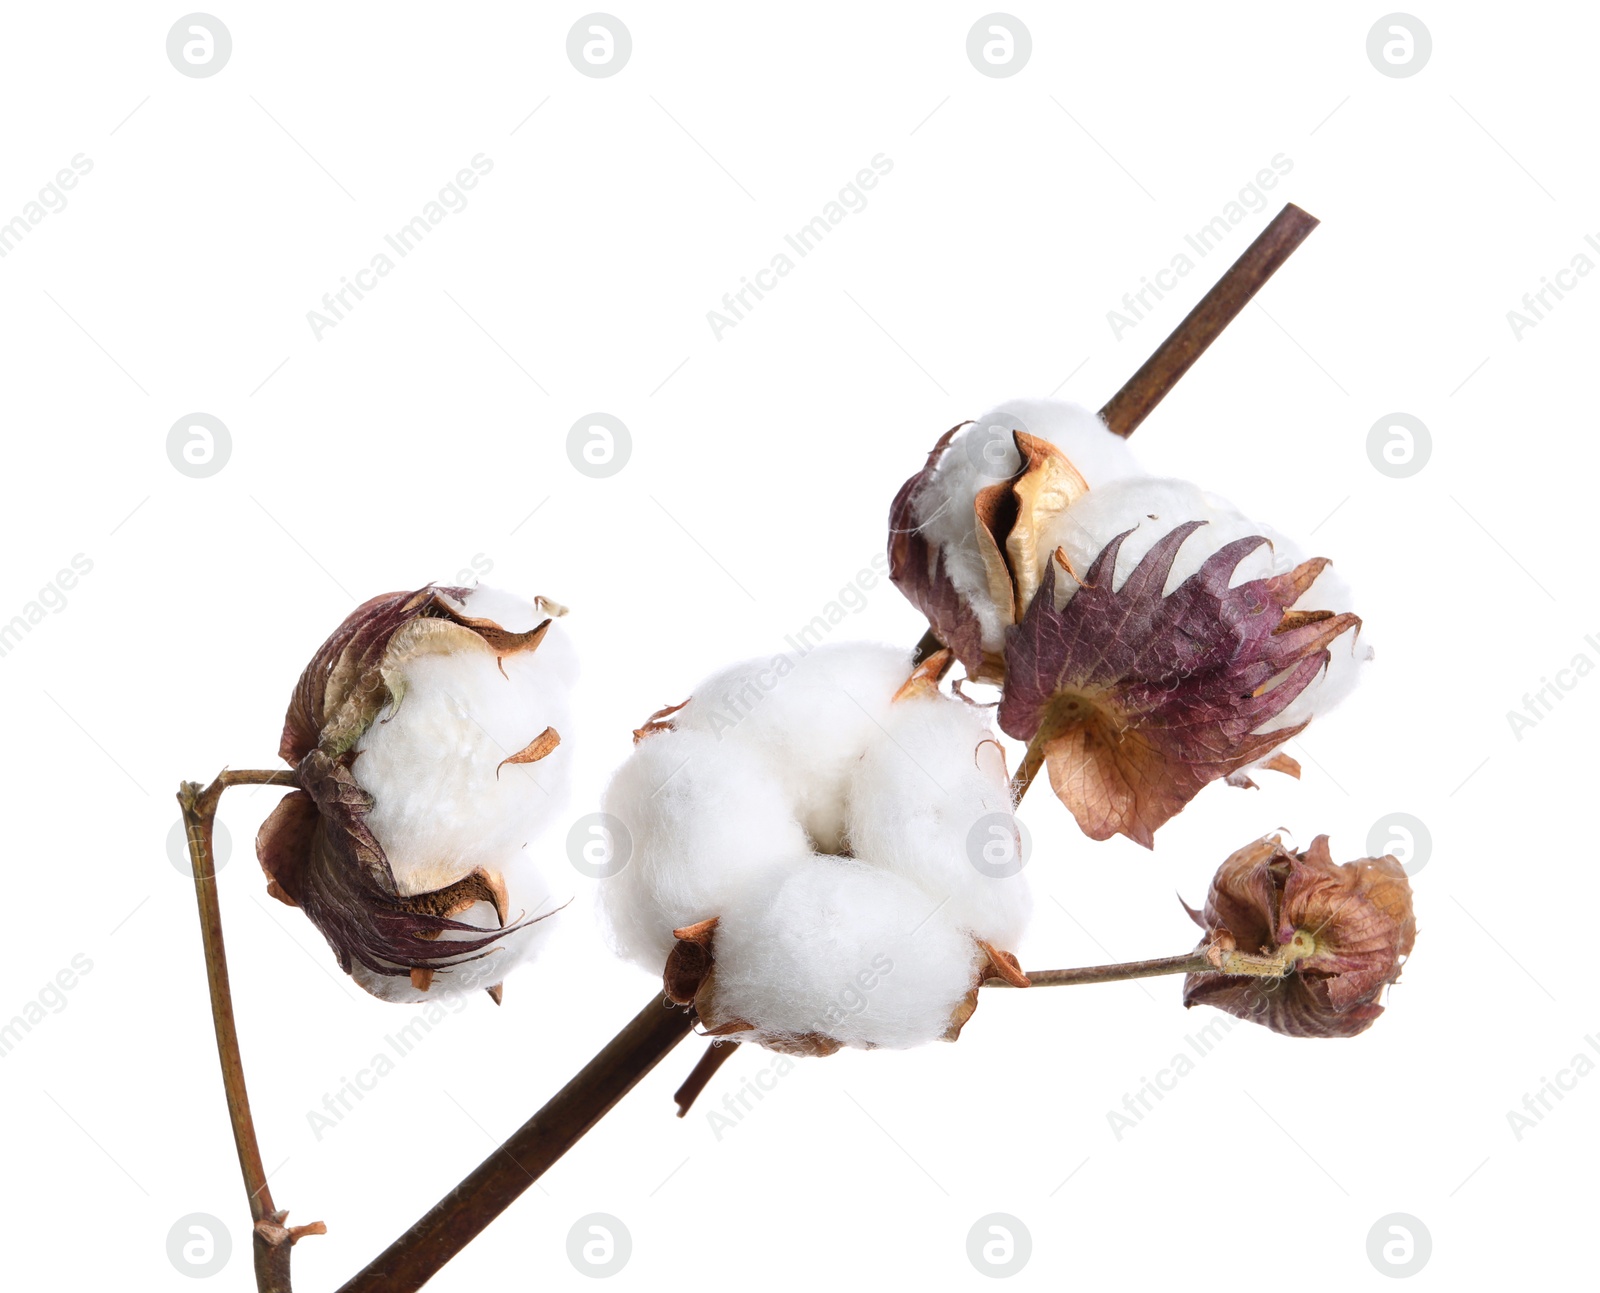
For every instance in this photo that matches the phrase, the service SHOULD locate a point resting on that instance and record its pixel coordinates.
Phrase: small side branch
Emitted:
(271, 1239)
(1212, 959)
(716, 1055)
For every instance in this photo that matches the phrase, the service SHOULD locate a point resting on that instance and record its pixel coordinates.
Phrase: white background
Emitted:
(424, 429)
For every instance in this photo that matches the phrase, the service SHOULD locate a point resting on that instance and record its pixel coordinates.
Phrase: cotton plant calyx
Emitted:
(1334, 936)
(806, 831)
(425, 736)
(1139, 696)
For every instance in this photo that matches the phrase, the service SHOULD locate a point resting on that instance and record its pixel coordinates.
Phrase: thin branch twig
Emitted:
(716, 1055)
(1203, 960)
(271, 1239)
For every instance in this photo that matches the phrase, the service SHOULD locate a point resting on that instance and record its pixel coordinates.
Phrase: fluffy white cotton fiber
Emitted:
(1100, 456)
(837, 948)
(824, 813)
(443, 804)
(929, 799)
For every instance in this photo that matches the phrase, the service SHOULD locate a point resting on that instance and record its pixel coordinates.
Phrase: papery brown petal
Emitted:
(1046, 486)
(700, 932)
(536, 749)
(963, 1011)
(658, 722)
(924, 679)
(1002, 965)
(995, 512)
(1281, 762)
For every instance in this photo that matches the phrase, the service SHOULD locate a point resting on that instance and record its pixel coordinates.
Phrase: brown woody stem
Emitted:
(452, 1223)
(271, 1239)
(1204, 324)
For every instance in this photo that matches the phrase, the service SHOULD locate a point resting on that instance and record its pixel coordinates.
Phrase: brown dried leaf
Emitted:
(534, 750)
(660, 721)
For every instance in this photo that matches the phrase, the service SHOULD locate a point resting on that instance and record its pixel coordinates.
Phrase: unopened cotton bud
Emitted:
(1343, 933)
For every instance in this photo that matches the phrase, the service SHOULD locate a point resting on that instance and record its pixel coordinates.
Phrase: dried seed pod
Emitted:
(426, 738)
(1343, 931)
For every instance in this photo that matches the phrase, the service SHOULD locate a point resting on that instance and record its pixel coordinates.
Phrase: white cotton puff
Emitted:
(703, 819)
(740, 809)
(527, 895)
(838, 947)
(441, 808)
(929, 800)
(982, 454)
(1099, 455)
(804, 719)
(1151, 507)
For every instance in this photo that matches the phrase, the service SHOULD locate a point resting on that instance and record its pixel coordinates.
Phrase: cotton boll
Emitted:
(837, 949)
(528, 898)
(1099, 455)
(704, 819)
(805, 718)
(429, 737)
(443, 804)
(926, 799)
(1152, 508)
(942, 509)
